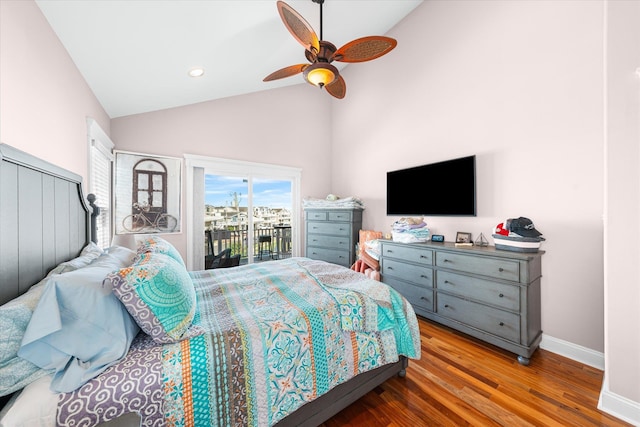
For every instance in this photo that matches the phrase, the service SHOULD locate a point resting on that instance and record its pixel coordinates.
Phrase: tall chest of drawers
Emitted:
(490, 294)
(331, 234)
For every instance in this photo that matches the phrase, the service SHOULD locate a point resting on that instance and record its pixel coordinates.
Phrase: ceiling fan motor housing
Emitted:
(327, 50)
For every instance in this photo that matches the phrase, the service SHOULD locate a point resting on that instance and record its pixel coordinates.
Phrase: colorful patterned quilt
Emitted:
(278, 335)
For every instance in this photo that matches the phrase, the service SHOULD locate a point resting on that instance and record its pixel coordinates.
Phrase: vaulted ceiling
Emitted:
(136, 54)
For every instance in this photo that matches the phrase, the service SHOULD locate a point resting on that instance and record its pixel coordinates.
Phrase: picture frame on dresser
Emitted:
(463, 237)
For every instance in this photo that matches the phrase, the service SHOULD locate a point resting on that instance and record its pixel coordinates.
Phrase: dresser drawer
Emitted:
(317, 216)
(413, 273)
(314, 227)
(492, 320)
(497, 294)
(491, 267)
(334, 256)
(418, 296)
(408, 253)
(340, 216)
(336, 242)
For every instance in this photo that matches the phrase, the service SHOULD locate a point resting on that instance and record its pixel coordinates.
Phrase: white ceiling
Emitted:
(135, 54)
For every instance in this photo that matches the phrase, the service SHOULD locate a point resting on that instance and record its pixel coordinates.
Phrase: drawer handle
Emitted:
(446, 260)
(446, 281)
(424, 276)
(501, 323)
(501, 269)
(423, 256)
(424, 298)
(390, 268)
(501, 295)
(446, 306)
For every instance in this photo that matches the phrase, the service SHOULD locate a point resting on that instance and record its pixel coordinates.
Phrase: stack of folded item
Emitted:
(517, 235)
(333, 202)
(410, 230)
(368, 254)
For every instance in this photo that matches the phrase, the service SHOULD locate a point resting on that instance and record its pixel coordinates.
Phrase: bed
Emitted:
(286, 343)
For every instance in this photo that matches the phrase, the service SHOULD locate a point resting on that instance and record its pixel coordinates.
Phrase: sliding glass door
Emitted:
(250, 216)
(251, 209)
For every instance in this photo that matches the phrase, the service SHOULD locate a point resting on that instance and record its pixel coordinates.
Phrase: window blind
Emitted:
(100, 170)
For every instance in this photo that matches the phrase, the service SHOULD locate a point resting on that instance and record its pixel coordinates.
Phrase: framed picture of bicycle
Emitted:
(147, 193)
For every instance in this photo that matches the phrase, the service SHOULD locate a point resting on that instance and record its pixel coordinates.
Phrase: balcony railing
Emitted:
(268, 243)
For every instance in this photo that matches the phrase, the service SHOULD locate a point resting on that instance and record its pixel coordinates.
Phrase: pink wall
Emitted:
(287, 127)
(44, 100)
(622, 230)
(529, 110)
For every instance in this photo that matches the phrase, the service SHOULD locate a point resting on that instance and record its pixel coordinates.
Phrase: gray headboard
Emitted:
(44, 219)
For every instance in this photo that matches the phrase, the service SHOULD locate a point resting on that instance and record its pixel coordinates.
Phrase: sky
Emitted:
(270, 193)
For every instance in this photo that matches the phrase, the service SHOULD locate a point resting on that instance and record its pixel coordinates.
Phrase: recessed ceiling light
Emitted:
(196, 72)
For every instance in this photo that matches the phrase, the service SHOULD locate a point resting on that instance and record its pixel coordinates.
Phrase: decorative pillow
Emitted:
(79, 328)
(159, 294)
(155, 244)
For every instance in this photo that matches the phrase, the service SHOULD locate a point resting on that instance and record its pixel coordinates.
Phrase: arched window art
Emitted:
(147, 193)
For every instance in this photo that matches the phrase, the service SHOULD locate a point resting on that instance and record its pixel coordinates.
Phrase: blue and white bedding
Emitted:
(263, 340)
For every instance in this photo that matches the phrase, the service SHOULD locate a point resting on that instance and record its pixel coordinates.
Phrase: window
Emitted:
(100, 167)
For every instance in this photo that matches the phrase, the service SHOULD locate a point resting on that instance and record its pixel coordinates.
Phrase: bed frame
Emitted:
(45, 220)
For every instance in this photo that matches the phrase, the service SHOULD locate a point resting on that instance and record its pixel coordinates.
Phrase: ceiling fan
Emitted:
(320, 53)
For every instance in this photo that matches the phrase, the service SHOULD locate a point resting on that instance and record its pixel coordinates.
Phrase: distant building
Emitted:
(226, 217)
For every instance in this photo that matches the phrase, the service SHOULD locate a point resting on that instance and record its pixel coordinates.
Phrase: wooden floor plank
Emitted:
(462, 381)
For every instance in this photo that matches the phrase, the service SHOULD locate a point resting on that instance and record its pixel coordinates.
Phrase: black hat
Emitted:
(524, 227)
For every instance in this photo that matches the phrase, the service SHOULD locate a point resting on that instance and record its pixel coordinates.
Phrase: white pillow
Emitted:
(89, 253)
(34, 406)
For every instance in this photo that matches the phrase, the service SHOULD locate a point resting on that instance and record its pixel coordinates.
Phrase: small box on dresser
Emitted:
(331, 234)
(490, 294)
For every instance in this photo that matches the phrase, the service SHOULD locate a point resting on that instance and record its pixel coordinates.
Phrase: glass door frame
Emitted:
(245, 169)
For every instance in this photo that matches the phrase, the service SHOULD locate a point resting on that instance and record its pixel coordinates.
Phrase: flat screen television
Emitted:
(445, 188)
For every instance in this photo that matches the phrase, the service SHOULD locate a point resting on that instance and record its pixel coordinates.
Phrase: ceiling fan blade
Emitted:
(365, 49)
(289, 71)
(337, 88)
(298, 27)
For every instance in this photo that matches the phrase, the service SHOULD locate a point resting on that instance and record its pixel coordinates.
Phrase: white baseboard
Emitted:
(619, 406)
(573, 351)
(611, 403)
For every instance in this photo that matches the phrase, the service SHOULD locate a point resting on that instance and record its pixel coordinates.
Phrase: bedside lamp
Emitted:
(125, 240)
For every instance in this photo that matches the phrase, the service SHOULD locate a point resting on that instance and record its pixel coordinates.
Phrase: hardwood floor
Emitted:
(460, 381)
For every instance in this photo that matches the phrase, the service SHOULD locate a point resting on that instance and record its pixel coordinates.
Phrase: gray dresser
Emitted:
(490, 294)
(331, 234)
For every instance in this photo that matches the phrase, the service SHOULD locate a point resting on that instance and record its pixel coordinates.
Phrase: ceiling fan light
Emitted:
(320, 74)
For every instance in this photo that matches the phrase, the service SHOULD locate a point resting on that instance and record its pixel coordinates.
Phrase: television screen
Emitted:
(445, 188)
